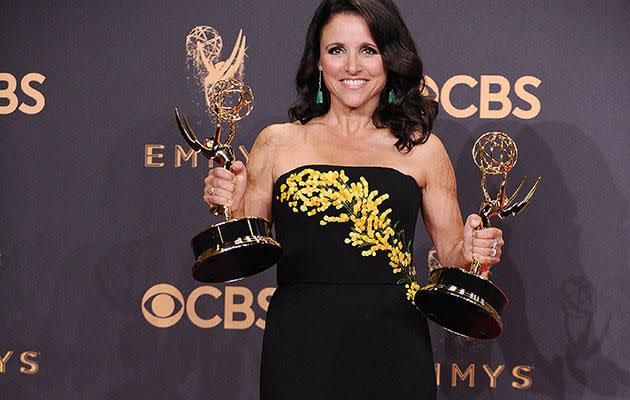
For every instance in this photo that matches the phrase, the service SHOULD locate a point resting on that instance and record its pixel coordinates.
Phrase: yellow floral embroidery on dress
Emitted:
(313, 192)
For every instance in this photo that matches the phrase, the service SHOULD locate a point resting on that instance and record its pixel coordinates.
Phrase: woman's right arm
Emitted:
(248, 190)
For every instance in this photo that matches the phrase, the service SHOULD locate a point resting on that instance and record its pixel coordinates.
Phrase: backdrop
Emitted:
(100, 195)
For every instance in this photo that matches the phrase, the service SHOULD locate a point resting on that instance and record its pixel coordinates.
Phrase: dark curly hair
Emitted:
(410, 117)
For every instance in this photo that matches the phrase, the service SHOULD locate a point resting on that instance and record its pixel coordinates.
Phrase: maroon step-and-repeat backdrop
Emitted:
(99, 195)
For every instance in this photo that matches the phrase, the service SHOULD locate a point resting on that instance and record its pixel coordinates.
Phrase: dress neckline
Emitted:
(391, 169)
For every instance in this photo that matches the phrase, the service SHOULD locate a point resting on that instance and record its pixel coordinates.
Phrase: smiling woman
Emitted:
(371, 40)
(344, 183)
(350, 66)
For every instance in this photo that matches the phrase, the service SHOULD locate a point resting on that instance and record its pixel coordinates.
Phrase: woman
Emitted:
(343, 184)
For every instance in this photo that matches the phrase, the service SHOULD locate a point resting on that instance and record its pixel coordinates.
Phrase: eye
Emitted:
(335, 50)
(163, 305)
(370, 50)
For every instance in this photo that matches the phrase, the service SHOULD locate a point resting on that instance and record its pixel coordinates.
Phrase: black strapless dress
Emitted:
(341, 324)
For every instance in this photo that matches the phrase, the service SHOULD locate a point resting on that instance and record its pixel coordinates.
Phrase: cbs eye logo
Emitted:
(159, 307)
(9, 101)
(163, 306)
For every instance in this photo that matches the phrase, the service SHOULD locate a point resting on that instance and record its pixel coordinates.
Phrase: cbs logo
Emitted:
(495, 96)
(163, 306)
(9, 101)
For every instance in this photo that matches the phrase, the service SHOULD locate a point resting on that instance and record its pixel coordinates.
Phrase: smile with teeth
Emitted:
(354, 83)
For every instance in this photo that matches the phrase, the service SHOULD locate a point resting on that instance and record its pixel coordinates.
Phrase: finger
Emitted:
(217, 191)
(486, 243)
(238, 167)
(214, 179)
(485, 251)
(489, 233)
(473, 221)
(210, 200)
(222, 173)
(215, 184)
(215, 200)
(484, 258)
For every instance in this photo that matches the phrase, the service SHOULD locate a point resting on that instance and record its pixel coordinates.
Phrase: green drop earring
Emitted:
(391, 97)
(319, 99)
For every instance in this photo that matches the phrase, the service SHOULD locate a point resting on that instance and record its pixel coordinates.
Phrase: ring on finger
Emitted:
(210, 190)
(494, 252)
(495, 243)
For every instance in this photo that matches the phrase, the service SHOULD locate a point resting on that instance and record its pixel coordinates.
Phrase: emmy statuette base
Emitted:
(463, 303)
(233, 250)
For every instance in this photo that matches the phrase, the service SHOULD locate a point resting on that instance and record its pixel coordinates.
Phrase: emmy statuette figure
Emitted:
(239, 247)
(467, 302)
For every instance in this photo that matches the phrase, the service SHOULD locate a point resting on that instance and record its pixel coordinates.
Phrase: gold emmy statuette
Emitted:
(239, 247)
(467, 302)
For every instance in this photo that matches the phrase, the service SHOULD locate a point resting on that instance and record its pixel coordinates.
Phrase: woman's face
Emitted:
(351, 63)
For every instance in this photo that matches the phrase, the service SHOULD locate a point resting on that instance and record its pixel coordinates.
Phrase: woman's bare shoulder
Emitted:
(429, 152)
(432, 145)
(279, 135)
(429, 160)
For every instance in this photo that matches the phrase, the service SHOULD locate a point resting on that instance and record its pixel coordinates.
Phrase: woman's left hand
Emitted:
(484, 245)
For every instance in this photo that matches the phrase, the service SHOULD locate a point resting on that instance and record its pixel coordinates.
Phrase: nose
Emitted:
(353, 64)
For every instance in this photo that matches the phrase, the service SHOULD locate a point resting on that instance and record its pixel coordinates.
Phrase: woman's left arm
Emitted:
(456, 243)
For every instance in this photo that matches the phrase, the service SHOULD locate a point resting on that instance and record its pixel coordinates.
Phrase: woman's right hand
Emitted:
(225, 188)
